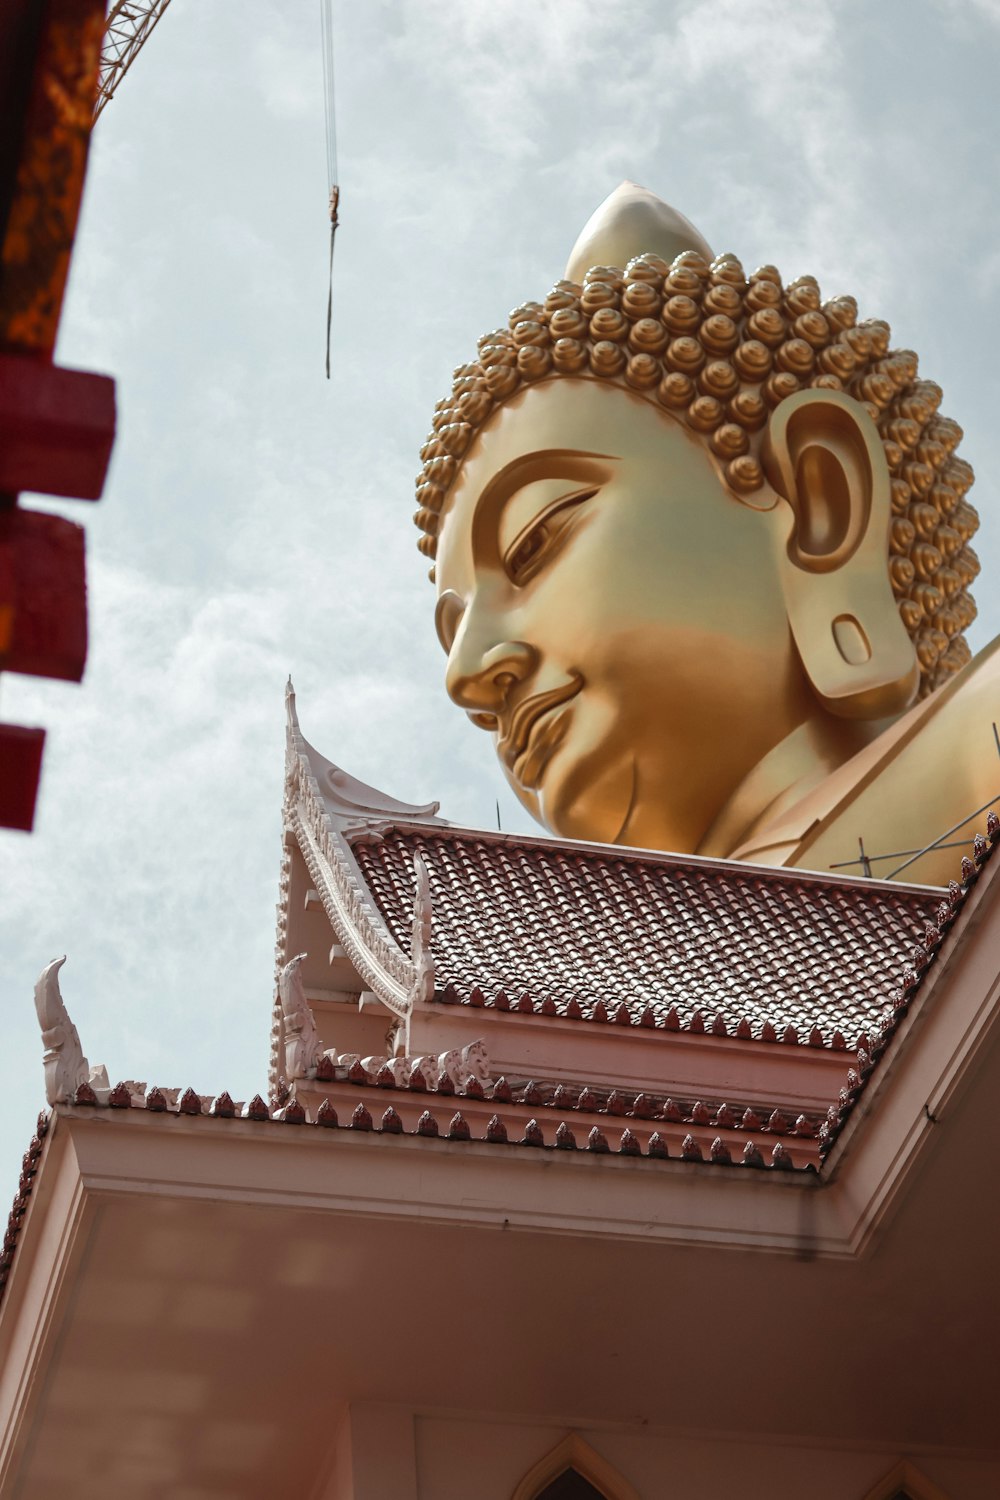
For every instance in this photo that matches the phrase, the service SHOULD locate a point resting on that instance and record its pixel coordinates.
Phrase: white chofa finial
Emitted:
(303, 1048)
(291, 714)
(65, 1065)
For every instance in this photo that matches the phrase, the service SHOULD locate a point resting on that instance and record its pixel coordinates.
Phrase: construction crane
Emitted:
(129, 25)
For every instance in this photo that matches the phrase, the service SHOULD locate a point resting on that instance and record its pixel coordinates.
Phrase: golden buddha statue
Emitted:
(700, 541)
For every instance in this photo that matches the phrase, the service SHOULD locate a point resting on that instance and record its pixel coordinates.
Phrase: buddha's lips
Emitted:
(516, 732)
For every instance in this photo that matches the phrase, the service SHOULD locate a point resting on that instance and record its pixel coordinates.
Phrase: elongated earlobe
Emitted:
(823, 454)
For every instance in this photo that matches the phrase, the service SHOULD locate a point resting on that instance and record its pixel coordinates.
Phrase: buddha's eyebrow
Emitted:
(546, 463)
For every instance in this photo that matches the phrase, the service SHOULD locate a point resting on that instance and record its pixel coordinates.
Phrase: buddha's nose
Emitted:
(479, 677)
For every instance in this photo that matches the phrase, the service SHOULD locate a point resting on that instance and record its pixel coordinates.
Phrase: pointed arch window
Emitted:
(574, 1471)
(905, 1482)
(570, 1485)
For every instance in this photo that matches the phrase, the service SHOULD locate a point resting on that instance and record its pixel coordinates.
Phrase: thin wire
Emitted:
(326, 39)
(948, 832)
(326, 31)
(334, 200)
(870, 859)
(848, 864)
(941, 836)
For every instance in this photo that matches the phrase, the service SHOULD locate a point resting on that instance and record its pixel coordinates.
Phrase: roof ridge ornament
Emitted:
(303, 1047)
(326, 812)
(65, 1066)
(351, 803)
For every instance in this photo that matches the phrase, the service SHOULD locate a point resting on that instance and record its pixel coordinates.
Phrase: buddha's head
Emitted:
(676, 513)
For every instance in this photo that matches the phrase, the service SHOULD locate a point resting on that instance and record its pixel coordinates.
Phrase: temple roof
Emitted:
(683, 943)
(585, 931)
(159, 1238)
(669, 1114)
(686, 972)
(459, 1101)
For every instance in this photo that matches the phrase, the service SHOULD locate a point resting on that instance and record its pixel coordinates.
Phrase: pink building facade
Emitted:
(580, 1171)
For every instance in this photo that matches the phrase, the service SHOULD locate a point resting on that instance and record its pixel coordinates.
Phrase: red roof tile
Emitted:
(636, 938)
(25, 1187)
(556, 1100)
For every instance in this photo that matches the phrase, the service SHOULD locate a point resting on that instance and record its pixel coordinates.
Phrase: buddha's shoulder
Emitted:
(966, 706)
(933, 768)
(982, 675)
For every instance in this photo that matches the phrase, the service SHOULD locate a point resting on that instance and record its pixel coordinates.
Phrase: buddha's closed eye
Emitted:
(541, 539)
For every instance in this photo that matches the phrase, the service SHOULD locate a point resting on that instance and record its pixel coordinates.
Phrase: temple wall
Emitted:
(398, 1453)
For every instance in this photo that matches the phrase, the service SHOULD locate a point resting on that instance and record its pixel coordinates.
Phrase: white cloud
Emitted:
(969, 10)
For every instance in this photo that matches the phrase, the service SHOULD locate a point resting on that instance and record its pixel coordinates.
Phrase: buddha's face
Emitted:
(614, 616)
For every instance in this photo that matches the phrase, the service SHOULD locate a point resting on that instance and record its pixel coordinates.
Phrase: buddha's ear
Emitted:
(822, 452)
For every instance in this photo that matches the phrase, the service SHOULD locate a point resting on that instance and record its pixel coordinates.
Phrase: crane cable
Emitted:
(326, 28)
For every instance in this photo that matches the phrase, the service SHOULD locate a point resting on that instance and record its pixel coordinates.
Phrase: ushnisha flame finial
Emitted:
(633, 221)
(719, 349)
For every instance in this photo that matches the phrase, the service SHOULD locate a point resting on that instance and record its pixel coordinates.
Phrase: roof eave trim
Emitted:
(953, 1016)
(397, 978)
(350, 805)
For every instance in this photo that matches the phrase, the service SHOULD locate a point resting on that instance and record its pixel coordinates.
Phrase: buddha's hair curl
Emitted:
(720, 350)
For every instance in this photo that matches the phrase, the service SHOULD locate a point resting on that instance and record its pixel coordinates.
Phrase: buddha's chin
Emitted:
(588, 803)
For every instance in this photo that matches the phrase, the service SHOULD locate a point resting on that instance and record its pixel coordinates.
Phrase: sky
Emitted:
(256, 521)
